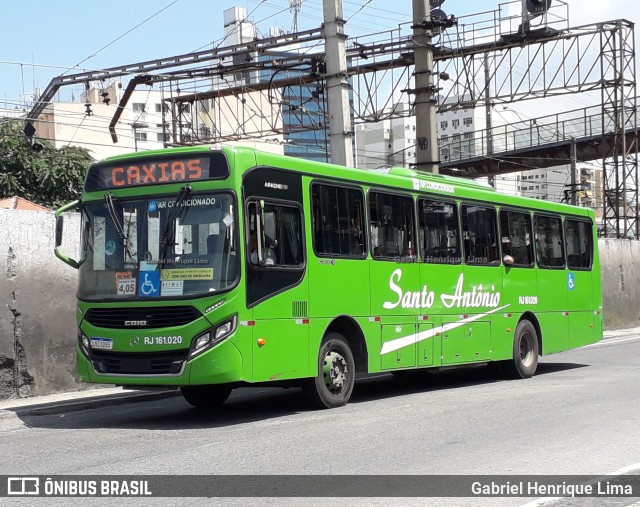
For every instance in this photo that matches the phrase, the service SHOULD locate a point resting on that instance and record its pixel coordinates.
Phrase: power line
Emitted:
(123, 35)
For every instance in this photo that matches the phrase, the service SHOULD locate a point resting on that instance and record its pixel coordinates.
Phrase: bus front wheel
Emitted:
(525, 352)
(209, 396)
(333, 385)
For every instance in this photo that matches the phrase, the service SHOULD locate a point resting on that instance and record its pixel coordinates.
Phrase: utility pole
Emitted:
(340, 132)
(425, 103)
(487, 108)
(574, 189)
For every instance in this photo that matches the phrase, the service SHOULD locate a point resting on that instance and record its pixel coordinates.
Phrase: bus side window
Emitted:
(549, 245)
(515, 229)
(281, 236)
(480, 230)
(338, 215)
(578, 243)
(392, 225)
(438, 231)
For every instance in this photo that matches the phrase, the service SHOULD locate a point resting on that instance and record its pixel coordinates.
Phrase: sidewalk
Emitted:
(616, 333)
(72, 401)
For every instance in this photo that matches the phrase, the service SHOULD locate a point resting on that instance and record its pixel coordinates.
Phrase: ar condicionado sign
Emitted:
(156, 172)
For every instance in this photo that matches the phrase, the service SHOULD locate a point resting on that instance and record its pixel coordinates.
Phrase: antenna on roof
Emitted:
(295, 6)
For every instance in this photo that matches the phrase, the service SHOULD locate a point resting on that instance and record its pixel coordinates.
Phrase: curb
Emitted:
(76, 405)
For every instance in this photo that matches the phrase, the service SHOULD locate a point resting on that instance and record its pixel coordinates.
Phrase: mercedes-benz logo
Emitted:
(134, 341)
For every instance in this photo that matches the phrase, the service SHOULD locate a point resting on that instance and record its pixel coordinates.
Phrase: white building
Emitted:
(550, 184)
(461, 134)
(86, 123)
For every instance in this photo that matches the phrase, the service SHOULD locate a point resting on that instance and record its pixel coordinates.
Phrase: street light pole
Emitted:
(135, 126)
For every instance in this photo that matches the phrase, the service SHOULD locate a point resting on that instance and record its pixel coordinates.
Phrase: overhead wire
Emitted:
(124, 34)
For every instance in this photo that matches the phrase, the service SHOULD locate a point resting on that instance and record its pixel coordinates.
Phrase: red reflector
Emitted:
(305, 321)
(376, 319)
(251, 323)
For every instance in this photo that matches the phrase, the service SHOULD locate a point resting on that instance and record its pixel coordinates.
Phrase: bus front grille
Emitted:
(148, 363)
(142, 318)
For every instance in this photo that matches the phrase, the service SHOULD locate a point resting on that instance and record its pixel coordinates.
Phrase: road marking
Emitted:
(612, 341)
(621, 471)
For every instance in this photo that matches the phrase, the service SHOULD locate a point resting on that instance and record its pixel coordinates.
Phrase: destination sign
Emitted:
(156, 169)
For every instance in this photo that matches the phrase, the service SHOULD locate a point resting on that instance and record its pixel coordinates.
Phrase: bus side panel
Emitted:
(476, 338)
(553, 327)
(580, 308)
(596, 280)
(396, 298)
(339, 287)
(551, 310)
(284, 354)
(503, 326)
(439, 279)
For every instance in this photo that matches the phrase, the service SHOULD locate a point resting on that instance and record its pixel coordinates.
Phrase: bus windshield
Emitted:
(165, 247)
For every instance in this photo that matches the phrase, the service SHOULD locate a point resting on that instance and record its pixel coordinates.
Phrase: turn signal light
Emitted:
(261, 342)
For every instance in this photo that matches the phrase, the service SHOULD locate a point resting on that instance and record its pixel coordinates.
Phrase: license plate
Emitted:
(102, 343)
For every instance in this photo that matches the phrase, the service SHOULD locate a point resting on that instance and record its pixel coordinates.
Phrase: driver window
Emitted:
(278, 240)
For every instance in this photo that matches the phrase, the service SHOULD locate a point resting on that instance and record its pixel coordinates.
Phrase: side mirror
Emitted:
(508, 260)
(58, 239)
(59, 226)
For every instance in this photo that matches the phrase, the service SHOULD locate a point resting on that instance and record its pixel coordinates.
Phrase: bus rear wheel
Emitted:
(525, 352)
(333, 385)
(209, 396)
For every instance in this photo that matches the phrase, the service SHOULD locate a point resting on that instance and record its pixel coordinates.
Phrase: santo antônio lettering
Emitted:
(156, 172)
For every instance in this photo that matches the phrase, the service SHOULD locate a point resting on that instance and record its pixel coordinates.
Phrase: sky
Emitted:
(48, 38)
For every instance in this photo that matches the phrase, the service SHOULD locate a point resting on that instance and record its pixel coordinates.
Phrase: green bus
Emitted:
(211, 269)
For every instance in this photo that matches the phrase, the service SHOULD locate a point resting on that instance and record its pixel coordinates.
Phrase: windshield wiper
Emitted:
(119, 227)
(166, 238)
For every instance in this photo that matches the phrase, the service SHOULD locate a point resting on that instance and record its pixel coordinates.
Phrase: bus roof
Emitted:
(410, 180)
(400, 178)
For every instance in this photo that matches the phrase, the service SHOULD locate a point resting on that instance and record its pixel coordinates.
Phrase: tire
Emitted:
(525, 352)
(333, 385)
(206, 397)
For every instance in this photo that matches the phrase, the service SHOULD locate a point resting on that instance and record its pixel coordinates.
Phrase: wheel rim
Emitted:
(335, 371)
(526, 349)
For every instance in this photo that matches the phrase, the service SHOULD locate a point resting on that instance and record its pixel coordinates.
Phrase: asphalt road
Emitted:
(579, 415)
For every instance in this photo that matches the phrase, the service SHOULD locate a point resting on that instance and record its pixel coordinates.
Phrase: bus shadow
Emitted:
(174, 413)
(248, 405)
(545, 368)
(385, 386)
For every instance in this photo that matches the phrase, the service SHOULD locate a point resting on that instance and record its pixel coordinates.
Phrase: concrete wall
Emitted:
(37, 300)
(620, 262)
(37, 305)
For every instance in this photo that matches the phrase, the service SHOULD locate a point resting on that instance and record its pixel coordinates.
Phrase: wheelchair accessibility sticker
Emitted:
(149, 284)
(571, 281)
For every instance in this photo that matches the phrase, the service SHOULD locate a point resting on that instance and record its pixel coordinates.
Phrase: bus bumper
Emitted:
(220, 365)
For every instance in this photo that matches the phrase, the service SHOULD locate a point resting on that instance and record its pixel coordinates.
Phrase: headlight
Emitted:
(201, 343)
(212, 337)
(224, 330)
(84, 343)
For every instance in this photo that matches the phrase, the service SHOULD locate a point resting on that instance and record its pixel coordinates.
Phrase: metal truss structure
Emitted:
(271, 88)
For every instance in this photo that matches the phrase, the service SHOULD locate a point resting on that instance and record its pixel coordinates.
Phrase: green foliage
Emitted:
(44, 175)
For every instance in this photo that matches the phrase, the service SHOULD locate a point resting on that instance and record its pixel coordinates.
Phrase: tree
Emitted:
(38, 171)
